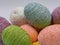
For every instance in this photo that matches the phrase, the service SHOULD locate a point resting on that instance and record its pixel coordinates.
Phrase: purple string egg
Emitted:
(3, 24)
(56, 16)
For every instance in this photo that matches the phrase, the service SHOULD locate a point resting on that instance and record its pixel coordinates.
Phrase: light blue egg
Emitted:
(37, 15)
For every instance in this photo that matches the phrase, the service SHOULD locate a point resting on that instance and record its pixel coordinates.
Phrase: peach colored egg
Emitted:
(31, 31)
(50, 35)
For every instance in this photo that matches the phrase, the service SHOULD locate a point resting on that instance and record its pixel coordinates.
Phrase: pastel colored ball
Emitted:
(36, 43)
(56, 16)
(50, 35)
(14, 35)
(31, 31)
(17, 16)
(37, 15)
(3, 24)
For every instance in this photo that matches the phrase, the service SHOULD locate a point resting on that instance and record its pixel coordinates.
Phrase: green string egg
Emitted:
(14, 35)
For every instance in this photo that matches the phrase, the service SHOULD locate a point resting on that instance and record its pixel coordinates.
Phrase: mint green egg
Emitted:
(37, 15)
(14, 35)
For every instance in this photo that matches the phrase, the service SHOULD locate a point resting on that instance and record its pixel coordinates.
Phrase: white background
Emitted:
(6, 6)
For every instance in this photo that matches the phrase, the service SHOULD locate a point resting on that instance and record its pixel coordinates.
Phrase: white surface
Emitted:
(6, 6)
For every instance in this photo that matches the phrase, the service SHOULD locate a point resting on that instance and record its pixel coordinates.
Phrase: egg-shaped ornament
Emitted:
(36, 43)
(50, 35)
(56, 16)
(3, 24)
(14, 35)
(31, 31)
(37, 15)
(17, 16)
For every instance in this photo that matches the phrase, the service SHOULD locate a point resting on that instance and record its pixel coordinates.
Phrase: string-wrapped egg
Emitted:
(14, 35)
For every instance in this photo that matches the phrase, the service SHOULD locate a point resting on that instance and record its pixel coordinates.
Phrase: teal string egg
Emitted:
(37, 15)
(14, 35)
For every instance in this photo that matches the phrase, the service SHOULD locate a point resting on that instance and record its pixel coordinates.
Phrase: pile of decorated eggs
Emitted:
(25, 23)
